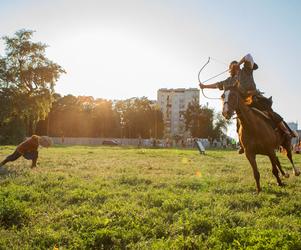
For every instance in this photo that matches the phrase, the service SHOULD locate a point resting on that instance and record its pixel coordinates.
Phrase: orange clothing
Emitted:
(30, 145)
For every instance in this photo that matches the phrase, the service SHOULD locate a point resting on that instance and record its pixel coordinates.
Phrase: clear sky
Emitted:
(119, 49)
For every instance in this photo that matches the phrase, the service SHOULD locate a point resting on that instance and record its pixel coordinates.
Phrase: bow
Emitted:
(209, 78)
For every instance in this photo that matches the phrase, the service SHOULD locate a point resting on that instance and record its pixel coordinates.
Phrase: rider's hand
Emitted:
(202, 86)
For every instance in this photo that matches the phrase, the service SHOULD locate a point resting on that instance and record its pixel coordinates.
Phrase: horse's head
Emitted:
(230, 102)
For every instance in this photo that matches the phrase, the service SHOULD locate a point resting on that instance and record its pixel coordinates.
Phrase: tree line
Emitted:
(29, 103)
(84, 116)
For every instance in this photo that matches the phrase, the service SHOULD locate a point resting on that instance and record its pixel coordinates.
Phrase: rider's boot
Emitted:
(284, 129)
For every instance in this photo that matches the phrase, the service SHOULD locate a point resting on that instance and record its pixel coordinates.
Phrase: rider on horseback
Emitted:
(243, 79)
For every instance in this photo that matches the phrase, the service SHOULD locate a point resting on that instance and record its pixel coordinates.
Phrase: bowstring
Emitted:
(209, 58)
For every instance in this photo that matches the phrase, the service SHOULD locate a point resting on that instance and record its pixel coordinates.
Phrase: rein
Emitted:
(233, 107)
(237, 101)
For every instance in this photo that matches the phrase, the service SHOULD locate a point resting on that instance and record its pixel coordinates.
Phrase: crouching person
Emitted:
(28, 149)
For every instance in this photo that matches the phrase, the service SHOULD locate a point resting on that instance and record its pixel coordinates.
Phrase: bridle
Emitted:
(227, 101)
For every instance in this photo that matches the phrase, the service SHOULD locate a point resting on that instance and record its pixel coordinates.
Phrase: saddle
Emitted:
(266, 116)
(261, 105)
(262, 102)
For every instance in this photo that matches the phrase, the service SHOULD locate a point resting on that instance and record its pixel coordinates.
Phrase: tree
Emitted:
(203, 122)
(12, 128)
(198, 120)
(105, 119)
(140, 117)
(220, 126)
(30, 76)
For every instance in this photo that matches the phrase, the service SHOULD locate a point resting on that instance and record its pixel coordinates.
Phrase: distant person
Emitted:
(63, 138)
(154, 142)
(28, 149)
(183, 144)
(167, 142)
(244, 81)
(139, 141)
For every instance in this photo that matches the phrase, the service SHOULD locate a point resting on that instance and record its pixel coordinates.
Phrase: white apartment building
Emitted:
(293, 125)
(172, 102)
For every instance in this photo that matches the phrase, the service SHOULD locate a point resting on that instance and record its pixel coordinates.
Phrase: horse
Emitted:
(256, 135)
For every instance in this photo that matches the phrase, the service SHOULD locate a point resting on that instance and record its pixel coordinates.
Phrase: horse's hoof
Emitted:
(281, 184)
(257, 191)
(286, 175)
(241, 151)
(297, 172)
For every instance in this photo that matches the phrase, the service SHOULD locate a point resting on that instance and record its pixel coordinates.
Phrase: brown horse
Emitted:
(256, 135)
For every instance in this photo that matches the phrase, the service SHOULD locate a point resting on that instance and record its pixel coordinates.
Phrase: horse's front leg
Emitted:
(252, 159)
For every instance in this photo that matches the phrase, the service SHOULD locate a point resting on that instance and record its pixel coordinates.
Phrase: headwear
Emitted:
(233, 62)
(255, 66)
(45, 141)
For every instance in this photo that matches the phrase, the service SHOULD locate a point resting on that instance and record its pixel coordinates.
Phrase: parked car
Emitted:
(110, 142)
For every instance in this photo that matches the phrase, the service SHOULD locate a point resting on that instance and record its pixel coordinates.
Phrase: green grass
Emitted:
(126, 198)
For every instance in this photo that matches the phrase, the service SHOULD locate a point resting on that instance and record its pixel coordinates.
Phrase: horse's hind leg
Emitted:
(252, 160)
(274, 161)
(287, 146)
(289, 156)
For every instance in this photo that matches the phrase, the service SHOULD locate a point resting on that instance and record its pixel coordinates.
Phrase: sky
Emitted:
(120, 49)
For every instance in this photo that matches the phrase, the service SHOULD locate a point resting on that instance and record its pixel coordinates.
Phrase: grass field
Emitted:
(126, 198)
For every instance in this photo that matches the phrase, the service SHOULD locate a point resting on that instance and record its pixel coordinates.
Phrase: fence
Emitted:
(189, 143)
